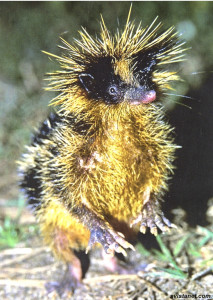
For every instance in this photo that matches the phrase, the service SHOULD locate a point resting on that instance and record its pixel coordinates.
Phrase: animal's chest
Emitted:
(123, 152)
(119, 173)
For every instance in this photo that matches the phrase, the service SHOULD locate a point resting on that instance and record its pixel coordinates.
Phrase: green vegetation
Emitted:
(173, 253)
(12, 231)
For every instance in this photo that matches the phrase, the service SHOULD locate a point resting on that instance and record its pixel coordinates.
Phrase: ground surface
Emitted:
(182, 265)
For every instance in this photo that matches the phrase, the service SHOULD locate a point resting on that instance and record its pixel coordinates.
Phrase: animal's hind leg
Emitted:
(77, 264)
(70, 280)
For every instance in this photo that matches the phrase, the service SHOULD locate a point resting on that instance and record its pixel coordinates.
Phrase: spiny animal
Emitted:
(97, 169)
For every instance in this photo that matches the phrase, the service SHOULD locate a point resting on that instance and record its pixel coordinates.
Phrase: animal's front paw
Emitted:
(111, 240)
(153, 218)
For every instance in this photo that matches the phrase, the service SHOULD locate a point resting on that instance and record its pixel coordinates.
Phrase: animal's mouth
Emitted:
(145, 98)
(136, 96)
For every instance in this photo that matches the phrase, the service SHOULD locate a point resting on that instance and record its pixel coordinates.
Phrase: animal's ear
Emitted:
(87, 81)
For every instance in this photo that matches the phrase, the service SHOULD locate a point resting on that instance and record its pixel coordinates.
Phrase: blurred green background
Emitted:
(26, 28)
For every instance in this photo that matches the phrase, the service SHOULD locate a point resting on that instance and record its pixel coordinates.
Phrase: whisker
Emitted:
(182, 104)
(182, 96)
(199, 72)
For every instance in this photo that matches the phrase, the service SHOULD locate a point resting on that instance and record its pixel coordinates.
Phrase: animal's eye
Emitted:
(113, 90)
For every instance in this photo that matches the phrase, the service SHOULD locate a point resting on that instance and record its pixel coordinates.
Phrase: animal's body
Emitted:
(101, 164)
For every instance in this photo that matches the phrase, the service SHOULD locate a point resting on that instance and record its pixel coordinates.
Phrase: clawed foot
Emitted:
(66, 286)
(61, 288)
(152, 218)
(111, 240)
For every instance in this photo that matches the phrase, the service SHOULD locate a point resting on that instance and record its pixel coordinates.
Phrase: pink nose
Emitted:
(149, 97)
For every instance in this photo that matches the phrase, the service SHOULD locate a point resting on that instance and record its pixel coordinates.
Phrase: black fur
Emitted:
(46, 129)
(101, 83)
(57, 120)
(101, 80)
(31, 181)
(32, 186)
(79, 126)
